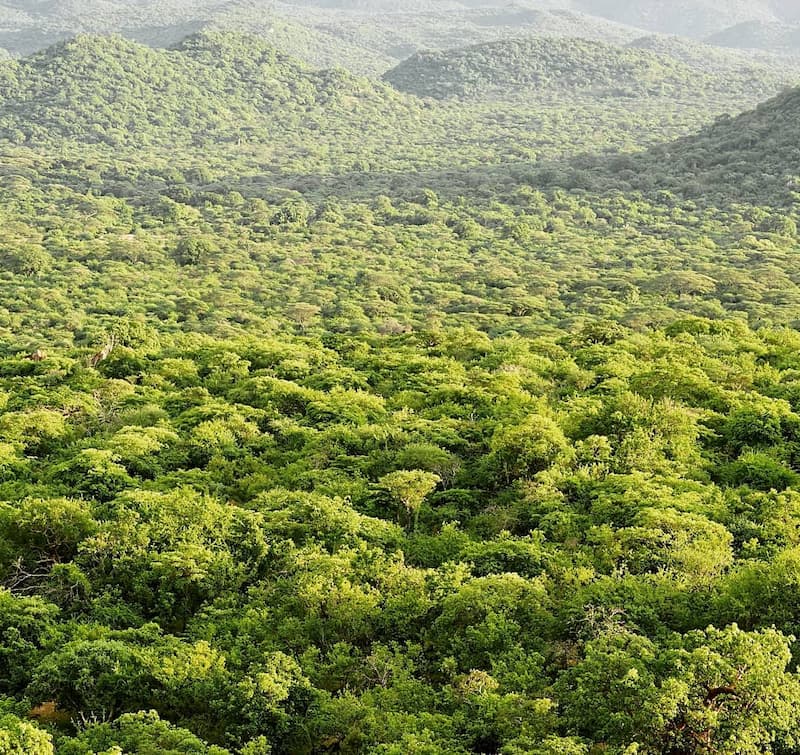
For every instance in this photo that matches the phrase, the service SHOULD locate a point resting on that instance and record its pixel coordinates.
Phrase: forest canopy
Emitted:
(456, 412)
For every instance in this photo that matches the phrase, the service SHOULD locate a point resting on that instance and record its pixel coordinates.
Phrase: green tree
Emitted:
(138, 734)
(194, 250)
(19, 737)
(410, 488)
(522, 450)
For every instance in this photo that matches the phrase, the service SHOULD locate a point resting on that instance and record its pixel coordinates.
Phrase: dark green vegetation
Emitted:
(569, 65)
(747, 158)
(337, 420)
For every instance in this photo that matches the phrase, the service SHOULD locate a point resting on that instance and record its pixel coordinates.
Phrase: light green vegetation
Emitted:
(338, 420)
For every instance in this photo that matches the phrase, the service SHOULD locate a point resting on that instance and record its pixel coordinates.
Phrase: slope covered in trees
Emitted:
(710, 58)
(752, 157)
(233, 104)
(364, 37)
(30, 25)
(759, 35)
(214, 87)
(691, 18)
(319, 45)
(398, 32)
(371, 37)
(571, 65)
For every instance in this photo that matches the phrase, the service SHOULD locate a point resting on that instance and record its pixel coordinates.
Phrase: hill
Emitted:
(708, 57)
(691, 18)
(751, 158)
(29, 25)
(754, 156)
(366, 37)
(570, 65)
(759, 35)
(370, 37)
(399, 33)
(236, 104)
(213, 88)
(317, 44)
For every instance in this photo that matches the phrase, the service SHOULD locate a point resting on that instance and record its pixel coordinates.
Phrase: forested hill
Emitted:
(363, 37)
(215, 87)
(402, 32)
(224, 95)
(30, 25)
(759, 35)
(366, 37)
(692, 18)
(710, 58)
(754, 156)
(319, 45)
(33, 26)
(569, 65)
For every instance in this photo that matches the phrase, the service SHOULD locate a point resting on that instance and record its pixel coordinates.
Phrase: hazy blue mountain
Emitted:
(368, 36)
(401, 33)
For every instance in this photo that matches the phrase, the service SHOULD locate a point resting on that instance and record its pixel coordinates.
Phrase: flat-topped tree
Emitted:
(410, 488)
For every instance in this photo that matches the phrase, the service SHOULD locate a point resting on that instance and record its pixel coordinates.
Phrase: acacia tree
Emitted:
(410, 488)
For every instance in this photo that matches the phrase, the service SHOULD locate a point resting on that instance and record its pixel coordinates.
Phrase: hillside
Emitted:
(30, 25)
(756, 35)
(364, 37)
(569, 65)
(399, 33)
(213, 88)
(235, 102)
(318, 45)
(369, 37)
(754, 156)
(691, 18)
(723, 60)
